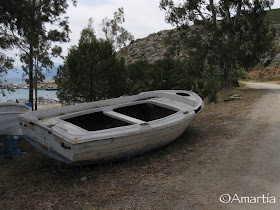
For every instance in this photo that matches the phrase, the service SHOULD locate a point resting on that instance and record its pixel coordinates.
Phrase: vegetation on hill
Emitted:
(273, 16)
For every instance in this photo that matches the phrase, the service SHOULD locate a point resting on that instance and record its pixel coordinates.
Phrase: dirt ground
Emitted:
(230, 149)
(48, 106)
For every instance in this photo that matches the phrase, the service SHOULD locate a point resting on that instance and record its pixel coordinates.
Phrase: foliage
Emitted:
(208, 85)
(6, 63)
(114, 32)
(163, 74)
(7, 23)
(88, 33)
(137, 75)
(238, 73)
(168, 74)
(91, 71)
(227, 33)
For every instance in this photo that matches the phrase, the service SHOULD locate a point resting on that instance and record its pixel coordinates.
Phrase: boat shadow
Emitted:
(151, 162)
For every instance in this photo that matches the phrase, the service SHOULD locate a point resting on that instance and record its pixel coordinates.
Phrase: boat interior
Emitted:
(140, 113)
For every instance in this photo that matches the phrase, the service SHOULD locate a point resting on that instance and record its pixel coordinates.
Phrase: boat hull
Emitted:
(111, 149)
(80, 146)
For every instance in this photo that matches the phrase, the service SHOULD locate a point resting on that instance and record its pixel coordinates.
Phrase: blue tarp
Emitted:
(8, 146)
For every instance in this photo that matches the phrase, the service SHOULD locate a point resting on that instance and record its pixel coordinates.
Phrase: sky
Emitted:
(142, 17)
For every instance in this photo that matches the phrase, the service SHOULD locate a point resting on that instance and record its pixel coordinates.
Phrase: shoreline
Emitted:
(49, 85)
(48, 106)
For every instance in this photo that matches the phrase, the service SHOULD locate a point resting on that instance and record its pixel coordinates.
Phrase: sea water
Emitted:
(22, 94)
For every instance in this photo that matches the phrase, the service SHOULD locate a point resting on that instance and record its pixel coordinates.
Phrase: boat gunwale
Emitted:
(63, 118)
(190, 115)
(128, 130)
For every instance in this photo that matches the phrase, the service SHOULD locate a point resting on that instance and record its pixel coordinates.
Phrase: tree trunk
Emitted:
(36, 84)
(227, 60)
(31, 54)
(228, 78)
(225, 75)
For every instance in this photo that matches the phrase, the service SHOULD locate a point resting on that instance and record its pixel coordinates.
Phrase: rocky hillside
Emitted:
(151, 48)
(155, 47)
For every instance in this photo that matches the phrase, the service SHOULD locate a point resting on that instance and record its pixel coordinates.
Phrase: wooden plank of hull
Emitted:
(47, 143)
(109, 149)
(131, 145)
(48, 151)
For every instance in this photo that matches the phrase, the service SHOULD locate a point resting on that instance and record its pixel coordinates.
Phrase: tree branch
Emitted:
(201, 15)
(237, 17)
(17, 43)
(214, 13)
(227, 13)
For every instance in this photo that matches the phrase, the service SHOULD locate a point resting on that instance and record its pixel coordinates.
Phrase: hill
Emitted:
(155, 46)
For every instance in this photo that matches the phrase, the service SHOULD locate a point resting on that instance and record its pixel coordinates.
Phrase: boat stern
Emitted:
(42, 139)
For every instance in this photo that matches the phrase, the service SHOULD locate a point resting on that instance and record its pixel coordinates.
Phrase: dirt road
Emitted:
(262, 176)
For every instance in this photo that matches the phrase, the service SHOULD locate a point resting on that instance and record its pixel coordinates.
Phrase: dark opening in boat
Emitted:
(145, 112)
(96, 121)
(183, 94)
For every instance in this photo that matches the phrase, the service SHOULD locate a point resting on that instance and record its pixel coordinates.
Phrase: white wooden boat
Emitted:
(8, 121)
(111, 129)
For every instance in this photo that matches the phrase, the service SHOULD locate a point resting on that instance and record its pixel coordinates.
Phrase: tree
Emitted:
(43, 55)
(115, 33)
(30, 34)
(91, 71)
(230, 30)
(10, 20)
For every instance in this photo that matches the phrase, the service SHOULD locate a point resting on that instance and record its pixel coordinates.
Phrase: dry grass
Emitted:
(38, 182)
(265, 73)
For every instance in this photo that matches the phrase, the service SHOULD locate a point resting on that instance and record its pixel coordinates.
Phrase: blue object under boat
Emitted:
(8, 146)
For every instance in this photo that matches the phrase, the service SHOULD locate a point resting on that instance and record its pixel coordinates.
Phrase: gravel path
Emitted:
(262, 176)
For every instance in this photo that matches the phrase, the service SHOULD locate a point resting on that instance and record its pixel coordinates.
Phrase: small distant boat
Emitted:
(111, 129)
(51, 88)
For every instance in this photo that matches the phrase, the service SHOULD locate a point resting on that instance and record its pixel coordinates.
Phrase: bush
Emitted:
(208, 85)
(163, 74)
